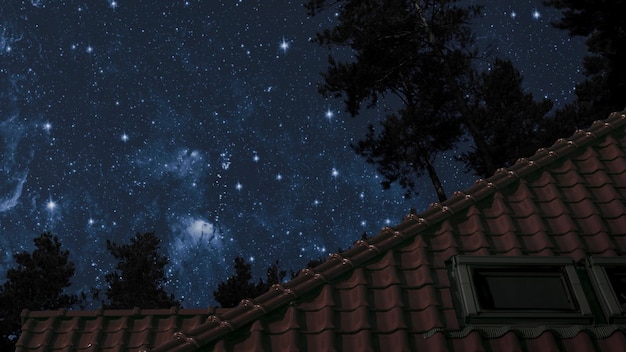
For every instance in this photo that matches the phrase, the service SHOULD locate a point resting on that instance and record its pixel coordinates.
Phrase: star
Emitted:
(513, 14)
(329, 114)
(334, 172)
(51, 205)
(536, 14)
(125, 137)
(89, 49)
(47, 126)
(284, 45)
(238, 186)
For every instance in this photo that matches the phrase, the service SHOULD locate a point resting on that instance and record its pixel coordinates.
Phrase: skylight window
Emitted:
(608, 275)
(519, 290)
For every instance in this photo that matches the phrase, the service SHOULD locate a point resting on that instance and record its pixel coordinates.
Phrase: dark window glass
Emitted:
(521, 288)
(617, 277)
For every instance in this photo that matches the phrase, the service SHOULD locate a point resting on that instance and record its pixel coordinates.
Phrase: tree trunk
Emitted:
(434, 178)
(481, 146)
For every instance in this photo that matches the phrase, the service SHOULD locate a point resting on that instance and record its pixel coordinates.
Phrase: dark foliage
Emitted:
(239, 286)
(139, 275)
(603, 24)
(405, 146)
(37, 283)
(508, 117)
(420, 52)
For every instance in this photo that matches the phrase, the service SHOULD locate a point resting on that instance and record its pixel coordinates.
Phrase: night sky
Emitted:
(201, 121)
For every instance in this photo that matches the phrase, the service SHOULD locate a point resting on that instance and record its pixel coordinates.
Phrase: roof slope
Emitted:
(106, 330)
(393, 292)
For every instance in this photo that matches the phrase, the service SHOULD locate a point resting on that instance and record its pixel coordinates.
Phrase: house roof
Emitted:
(393, 291)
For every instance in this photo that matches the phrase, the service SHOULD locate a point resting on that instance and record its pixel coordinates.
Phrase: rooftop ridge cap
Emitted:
(563, 147)
(387, 239)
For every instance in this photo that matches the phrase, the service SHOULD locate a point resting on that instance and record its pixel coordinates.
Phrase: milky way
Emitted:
(201, 121)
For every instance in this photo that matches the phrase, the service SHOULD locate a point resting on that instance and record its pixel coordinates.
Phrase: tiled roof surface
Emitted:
(393, 292)
(108, 330)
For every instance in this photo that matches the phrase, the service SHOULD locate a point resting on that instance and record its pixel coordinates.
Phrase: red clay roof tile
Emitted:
(606, 193)
(387, 298)
(614, 343)
(361, 340)
(509, 342)
(546, 342)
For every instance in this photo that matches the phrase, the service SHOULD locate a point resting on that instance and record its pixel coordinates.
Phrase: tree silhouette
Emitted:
(421, 52)
(139, 275)
(508, 117)
(37, 283)
(238, 287)
(603, 25)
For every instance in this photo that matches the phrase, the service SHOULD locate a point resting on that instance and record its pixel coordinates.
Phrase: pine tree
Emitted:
(238, 287)
(37, 283)
(139, 275)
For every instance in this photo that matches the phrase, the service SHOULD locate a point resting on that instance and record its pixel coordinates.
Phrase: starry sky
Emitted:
(201, 121)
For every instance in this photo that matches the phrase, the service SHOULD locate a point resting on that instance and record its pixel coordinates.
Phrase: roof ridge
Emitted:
(338, 264)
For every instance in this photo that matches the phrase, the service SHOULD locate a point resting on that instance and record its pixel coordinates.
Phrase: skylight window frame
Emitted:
(472, 313)
(603, 287)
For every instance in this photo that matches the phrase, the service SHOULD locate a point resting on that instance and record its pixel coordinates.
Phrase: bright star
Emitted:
(113, 4)
(125, 137)
(279, 177)
(51, 205)
(329, 114)
(47, 126)
(284, 45)
(334, 172)
(536, 14)
(238, 186)
(513, 14)
(89, 49)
